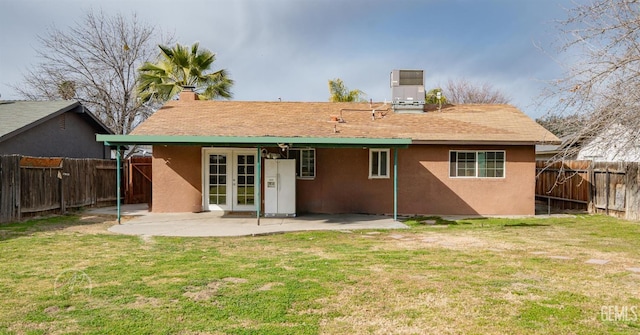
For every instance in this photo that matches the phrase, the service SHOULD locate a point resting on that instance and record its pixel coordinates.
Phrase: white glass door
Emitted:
(218, 197)
(229, 180)
(244, 192)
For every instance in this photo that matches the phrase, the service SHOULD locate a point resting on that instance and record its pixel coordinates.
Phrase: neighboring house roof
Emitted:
(547, 148)
(617, 143)
(462, 124)
(547, 151)
(19, 116)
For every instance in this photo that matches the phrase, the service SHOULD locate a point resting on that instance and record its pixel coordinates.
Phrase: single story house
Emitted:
(616, 143)
(50, 129)
(376, 158)
(546, 152)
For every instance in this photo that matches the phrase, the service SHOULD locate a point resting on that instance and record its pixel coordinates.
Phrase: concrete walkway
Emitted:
(214, 224)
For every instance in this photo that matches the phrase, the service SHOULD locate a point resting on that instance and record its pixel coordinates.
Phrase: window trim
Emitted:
(477, 163)
(299, 163)
(388, 174)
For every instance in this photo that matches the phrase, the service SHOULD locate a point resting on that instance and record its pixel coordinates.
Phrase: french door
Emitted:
(229, 179)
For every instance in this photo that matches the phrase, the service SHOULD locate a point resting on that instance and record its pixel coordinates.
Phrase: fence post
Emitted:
(10, 209)
(61, 183)
(632, 186)
(118, 172)
(591, 178)
(17, 180)
(607, 191)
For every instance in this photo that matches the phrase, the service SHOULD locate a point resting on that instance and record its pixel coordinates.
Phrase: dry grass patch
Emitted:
(472, 276)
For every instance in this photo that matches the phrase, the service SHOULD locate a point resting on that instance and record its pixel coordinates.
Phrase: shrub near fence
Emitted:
(599, 187)
(32, 186)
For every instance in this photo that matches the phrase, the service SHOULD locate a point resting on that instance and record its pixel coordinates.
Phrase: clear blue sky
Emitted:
(289, 49)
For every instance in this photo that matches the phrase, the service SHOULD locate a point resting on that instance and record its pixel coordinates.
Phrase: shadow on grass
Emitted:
(425, 221)
(50, 224)
(523, 224)
(481, 222)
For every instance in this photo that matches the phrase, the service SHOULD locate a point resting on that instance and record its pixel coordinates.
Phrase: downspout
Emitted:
(259, 182)
(118, 177)
(395, 184)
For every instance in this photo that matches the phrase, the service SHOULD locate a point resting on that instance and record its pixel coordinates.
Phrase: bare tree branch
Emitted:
(602, 80)
(462, 91)
(100, 56)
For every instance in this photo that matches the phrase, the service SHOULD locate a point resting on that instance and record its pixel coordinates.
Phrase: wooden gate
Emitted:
(138, 180)
(599, 187)
(564, 185)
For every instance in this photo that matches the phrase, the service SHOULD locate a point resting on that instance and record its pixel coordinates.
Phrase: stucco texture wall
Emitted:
(177, 179)
(342, 183)
(424, 186)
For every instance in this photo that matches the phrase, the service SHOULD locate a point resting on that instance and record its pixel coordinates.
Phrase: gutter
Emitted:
(482, 142)
(111, 140)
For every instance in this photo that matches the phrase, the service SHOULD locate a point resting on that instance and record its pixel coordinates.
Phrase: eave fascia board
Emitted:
(112, 140)
(488, 142)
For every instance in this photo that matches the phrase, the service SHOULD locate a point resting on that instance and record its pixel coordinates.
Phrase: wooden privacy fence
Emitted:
(597, 187)
(137, 180)
(33, 186)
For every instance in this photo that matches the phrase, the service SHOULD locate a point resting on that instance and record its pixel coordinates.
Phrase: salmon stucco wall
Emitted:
(426, 188)
(342, 184)
(177, 179)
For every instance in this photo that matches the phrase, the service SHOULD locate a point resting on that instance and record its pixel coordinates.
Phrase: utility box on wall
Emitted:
(280, 187)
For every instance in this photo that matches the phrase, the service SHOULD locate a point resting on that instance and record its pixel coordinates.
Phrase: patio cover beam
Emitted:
(259, 142)
(395, 184)
(251, 141)
(259, 182)
(118, 182)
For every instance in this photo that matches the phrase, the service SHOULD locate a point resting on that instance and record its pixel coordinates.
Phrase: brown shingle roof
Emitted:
(467, 123)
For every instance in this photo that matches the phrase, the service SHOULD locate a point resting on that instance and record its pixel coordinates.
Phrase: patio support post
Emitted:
(259, 182)
(395, 184)
(118, 178)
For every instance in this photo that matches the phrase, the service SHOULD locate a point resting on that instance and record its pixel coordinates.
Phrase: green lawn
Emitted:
(497, 276)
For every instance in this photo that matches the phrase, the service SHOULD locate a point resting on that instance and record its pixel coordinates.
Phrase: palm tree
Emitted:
(182, 66)
(339, 93)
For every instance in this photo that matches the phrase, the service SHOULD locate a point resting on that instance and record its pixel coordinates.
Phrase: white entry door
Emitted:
(229, 180)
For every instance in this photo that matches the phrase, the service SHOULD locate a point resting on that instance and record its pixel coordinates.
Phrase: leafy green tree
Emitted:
(340, 93)
(182, 66)
(431, 97)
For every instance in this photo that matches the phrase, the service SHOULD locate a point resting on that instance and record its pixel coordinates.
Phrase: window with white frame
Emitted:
(378, 163)
(305, 161)
(477, 164)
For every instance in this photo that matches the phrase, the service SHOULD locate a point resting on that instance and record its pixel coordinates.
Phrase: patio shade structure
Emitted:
(259, 142)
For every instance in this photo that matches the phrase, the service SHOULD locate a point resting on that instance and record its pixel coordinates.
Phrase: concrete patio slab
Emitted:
(125, 210)
(216, 224)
